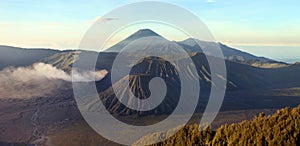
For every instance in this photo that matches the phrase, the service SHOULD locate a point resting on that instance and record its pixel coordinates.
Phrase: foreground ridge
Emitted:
(281, 128)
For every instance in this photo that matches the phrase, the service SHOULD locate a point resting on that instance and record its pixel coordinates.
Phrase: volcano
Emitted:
(139, 79)
(137, 35)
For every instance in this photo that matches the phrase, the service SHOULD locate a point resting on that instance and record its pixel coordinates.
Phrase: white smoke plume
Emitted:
(40, 79)
(47, 71)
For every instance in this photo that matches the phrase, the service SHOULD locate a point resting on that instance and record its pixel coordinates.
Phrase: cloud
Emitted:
(41, 79)
(108, 19)
(40, 71)
(103, 19)
(88, 76)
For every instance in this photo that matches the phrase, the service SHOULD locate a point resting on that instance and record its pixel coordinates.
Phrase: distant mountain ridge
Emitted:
(14, 56)
(191, 45)
(25, 57)
(228, 52)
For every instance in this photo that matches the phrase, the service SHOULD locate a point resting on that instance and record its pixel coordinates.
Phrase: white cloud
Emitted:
(47, 71)
(100, 18)
(41, 79)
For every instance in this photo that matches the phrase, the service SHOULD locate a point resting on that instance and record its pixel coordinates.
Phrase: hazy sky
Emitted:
(264, 27)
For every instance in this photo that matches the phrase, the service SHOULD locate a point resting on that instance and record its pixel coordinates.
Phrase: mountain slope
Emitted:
(231, 54)
(140, 76)
(137, 35)
(191, 45)
(278, 129)
(13, 56)
(63, 60)
(239, 77)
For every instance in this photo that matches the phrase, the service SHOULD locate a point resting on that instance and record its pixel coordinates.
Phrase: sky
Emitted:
(262, 27)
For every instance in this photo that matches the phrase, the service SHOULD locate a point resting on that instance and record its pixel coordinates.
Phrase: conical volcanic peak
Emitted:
(138, 84)
(139, 87)
(144, 33)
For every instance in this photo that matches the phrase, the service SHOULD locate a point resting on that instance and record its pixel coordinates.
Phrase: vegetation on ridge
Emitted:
(282, 128)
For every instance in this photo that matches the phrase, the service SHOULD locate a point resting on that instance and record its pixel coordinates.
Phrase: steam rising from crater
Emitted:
(41, 79)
